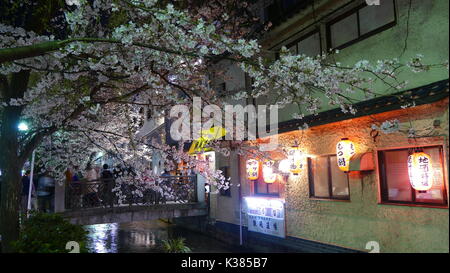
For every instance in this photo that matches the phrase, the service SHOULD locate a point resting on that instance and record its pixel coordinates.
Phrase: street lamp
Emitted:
(22, 126)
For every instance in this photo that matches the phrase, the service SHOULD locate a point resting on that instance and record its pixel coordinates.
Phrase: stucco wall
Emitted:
(353, 223)
(227, 207)
(426, 33)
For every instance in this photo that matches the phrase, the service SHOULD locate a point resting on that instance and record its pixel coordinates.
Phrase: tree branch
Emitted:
(37, 138)
(22, 52)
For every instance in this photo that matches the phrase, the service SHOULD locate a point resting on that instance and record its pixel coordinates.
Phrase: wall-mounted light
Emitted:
(284, 166)
(345, 149)
(420, 171)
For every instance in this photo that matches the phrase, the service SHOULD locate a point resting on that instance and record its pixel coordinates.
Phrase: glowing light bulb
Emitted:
(23, 126)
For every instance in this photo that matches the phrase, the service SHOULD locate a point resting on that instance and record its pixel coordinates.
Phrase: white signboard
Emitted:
(266, 215)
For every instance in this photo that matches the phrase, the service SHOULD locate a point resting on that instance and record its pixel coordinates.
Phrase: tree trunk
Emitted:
(11, 182)
(10, 161)
(10, 206)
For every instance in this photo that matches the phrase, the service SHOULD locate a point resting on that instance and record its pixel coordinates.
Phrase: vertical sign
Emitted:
(419, 171)
(345, 149)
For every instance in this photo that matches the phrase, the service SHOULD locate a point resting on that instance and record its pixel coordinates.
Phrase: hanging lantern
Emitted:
(252, 169)
(268, 174)
(295, 157)
(284, 166)
(345, 149)
(419, 171)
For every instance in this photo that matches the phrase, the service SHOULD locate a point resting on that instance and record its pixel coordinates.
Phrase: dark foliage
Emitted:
(49, 233)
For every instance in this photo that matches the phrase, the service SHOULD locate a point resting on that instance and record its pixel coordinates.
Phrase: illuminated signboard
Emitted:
(266, 215)
(212, 133)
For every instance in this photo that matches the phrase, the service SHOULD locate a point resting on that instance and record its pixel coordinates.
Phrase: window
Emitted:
(280, 9)
(221, 88)
(326, 180)
(360, 23)
(394, 180)
(263, 188)
(308, 45)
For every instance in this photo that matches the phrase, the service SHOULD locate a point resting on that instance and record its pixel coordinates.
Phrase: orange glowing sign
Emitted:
(345, 149)
(252, 169)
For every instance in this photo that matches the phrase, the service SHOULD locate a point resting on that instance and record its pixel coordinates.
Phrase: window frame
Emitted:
(304, 37)
(383, 189)
(266, 186)
(329, 181)
(360, 37)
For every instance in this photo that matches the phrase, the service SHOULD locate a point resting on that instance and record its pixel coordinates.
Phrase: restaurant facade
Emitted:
(374, 181)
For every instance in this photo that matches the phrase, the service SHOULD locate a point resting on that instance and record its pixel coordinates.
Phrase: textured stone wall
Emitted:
(351, 224)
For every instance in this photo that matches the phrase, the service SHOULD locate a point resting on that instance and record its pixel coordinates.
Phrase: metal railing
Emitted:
(100, 193)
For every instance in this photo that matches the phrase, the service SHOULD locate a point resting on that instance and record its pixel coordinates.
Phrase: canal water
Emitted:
(146, 237)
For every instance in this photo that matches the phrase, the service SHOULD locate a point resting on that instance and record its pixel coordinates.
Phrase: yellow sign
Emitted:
(345, 149)
(207, 135)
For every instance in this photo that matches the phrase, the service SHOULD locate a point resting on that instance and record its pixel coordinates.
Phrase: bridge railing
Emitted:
(109, 193)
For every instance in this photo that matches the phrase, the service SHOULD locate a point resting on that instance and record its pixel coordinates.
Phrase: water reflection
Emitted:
(127, 237)
(103, 238)
(146, 237)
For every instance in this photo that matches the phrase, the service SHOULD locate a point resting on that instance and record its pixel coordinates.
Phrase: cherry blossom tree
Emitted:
(79, 72)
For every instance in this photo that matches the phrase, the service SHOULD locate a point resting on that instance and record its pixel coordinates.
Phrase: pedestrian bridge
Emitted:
(92, 216)
(95, 202)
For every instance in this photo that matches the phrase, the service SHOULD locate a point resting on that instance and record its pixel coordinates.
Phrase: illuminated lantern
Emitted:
(419, 171)
(252, 169)
(345, 149)
(295, 157)
(268, 175)
(284, 166)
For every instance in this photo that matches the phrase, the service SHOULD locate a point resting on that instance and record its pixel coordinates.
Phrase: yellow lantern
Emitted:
(268, 174)
(252, 169)
(420, 171)
(345, 149)
(295, 157)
